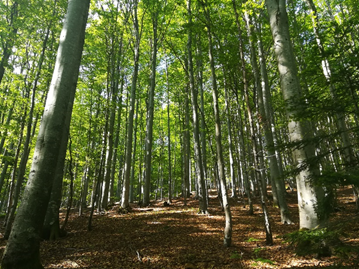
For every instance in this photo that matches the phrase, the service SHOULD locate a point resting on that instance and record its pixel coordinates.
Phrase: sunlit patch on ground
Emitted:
(176, 236)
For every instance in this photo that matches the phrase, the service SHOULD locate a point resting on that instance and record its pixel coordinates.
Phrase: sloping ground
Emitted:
(177, 237)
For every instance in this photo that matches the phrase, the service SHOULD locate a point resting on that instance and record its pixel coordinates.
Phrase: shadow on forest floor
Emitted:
(177, 237)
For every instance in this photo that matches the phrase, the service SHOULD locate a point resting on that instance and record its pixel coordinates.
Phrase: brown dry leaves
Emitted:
(177, 237)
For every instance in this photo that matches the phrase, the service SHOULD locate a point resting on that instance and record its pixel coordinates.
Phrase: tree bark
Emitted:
(22, 250)
(220, 160)
(299, 131)
(128, 158)
(150, 111)
(278, 188)
(7, 48)
(202, 192)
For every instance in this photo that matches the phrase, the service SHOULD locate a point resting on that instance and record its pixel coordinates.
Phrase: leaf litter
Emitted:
(176, 236)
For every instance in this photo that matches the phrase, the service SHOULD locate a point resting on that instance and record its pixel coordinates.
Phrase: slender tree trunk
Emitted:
(7, 47)
(169, 139)
(202, 192)
(230, 143)
(202, 116)
(220, 160)
(150, 111)
(71, 187)
(117, 144)
(31, 125)
(186, 149)
(278, 187)
(128, 158)
(5, 166)
(132, 176)
(8, 119)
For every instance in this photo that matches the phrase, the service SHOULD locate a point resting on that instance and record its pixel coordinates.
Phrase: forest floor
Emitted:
(176, 236)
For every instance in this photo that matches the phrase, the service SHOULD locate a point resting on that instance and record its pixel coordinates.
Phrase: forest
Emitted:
(229, 124)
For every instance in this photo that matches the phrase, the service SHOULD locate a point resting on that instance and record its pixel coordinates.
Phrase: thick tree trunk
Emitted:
(22, 250)
(308, 195)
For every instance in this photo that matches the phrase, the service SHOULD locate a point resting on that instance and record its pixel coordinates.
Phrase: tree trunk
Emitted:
(169, 139)
(202, 117)
(220, 161)
(278, 187)
(31, 125)
(22, 250)
(308, 195)
(150, 111)
(7, 48)
(230, 143)
(202, 192)
(186, 149)
(128, 158)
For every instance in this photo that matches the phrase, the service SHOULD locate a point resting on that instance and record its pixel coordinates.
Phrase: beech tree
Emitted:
(22, 250)
(308, 194)
(270, 127)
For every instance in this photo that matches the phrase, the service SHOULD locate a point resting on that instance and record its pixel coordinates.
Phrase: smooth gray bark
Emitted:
(218, 133)
(278, 187)
(169, 139)
(22, 250)
(203, 122)
(202, 192)
(299, 131)
(150, 111)
(128, 158)
(230, 141)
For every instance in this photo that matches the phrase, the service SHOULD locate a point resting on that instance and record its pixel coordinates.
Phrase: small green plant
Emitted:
(236, 255)
(257, 251)
(321, 242)
(264, 261)
(251, 239)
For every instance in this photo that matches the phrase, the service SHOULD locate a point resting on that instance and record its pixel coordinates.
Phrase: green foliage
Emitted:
(251, 239)
(264, 261)
(342, 178)
(321, 242)
(236, 255)
(257, 251)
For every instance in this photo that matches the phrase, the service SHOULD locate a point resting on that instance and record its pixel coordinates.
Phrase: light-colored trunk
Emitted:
(186, 150)
(149, 118)
(128, 158)
(203, 122)
(278, 187)
(202, 191)
(308, 195)
(169, 139)
(230, 143)
(218, 132)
